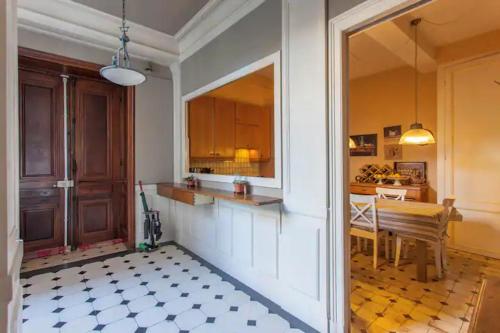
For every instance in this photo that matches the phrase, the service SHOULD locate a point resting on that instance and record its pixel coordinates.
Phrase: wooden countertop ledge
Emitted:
(180, 192)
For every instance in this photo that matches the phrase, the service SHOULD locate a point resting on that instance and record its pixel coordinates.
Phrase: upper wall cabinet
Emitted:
(253, 130)
(201, 123)
(218, 127)
(224, 128)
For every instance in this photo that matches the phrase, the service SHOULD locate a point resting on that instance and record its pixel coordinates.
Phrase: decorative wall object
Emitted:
(416, 170)
(366, 145)
(373, 173)
(393, 152)
(392, 132)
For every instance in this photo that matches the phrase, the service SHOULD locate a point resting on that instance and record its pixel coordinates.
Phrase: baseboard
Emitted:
(481, 252)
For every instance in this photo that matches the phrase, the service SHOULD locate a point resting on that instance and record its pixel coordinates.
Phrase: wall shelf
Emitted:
(203, 195)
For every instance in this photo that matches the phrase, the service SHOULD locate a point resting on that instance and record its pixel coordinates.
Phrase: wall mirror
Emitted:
(232, 127)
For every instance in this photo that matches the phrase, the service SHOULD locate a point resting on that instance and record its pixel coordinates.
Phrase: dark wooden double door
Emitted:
(96, 161)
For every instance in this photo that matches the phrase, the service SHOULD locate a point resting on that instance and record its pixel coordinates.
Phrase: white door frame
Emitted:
(363, 15)
(11, 248)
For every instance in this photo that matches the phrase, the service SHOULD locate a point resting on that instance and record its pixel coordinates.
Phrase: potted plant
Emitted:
(240, 185)
(190, 181)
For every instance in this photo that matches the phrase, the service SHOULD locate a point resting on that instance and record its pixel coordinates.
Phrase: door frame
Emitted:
(366, 14)
(89, 70)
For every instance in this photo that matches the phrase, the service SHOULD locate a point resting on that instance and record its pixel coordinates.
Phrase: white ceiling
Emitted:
(167, 16)
(444, 22)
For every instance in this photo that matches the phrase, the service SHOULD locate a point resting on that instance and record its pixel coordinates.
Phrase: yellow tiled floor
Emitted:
(391, 300)
(66, 258)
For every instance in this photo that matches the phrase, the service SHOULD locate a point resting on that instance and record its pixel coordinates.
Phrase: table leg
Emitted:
(421, 261)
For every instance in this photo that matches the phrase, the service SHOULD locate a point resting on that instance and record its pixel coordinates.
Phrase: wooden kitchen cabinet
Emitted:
(253, 130)
(201, 124)
(217, 127)
(224, 128)
(211, 128)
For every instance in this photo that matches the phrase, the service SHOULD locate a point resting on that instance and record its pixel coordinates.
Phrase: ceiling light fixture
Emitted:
(417, 134)
(119, 71)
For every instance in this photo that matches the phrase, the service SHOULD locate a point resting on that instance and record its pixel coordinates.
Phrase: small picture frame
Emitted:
(393, 152)
(392, 132)
(366, 145)
(416, 170)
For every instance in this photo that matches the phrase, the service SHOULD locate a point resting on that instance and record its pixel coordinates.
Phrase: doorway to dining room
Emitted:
(414, 164)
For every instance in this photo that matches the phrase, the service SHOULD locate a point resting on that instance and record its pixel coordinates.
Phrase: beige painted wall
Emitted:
(387, 99)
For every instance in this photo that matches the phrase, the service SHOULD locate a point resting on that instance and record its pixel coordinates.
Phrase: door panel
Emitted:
(100, 156)
(95, 137)
(96, 220)
(469, 162)
(38, 124)
(41, 160)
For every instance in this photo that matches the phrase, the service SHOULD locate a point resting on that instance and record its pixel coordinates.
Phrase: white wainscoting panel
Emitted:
(242, 237)
(224, 231)
(265, 244)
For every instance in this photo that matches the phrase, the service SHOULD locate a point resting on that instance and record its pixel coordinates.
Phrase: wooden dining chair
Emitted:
(393, 194)
(439, 243)
(364, 223)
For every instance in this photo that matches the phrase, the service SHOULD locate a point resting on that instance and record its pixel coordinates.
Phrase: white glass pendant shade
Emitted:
(417, 135)
(120, 72)
(123, 76)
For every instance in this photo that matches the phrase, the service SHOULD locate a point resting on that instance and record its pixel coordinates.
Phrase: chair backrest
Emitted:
(444, 218)
(364, 211)
(391, 193)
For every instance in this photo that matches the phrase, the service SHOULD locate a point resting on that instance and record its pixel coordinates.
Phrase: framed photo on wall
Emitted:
(392, 132)
(366, 145)
(416, 170)
(393, 152)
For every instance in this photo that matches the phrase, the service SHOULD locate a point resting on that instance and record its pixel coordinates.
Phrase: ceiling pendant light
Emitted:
(119, 71)
(417, 134)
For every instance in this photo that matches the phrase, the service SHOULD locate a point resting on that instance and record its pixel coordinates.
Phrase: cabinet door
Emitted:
(224, 128)
(201, 127)
(266, 138)
(253, 130)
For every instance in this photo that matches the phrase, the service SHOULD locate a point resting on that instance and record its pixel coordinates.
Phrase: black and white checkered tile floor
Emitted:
(164, 291)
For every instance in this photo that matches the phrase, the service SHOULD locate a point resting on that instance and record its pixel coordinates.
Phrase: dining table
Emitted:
(416, 220)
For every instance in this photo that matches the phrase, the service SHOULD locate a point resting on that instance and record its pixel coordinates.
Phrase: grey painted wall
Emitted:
(337, 7)
(255, 36)
(154, 105)
(154, 131)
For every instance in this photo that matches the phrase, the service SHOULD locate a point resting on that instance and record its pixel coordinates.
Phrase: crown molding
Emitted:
(212, 20)
(73, 21)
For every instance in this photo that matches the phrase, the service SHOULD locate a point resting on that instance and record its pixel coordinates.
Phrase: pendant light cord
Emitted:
(415, 24)
(123, 16)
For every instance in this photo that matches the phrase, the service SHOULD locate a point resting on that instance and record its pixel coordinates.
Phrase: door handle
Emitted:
(64, 184)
